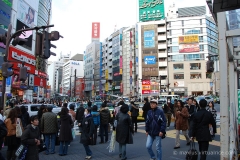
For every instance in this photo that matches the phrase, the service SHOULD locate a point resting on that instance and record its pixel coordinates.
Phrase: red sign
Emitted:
(95, 30)
(146, 91)
(20, 56)
(79, 87)
(188, 48)
(42, 82)
(146, 82)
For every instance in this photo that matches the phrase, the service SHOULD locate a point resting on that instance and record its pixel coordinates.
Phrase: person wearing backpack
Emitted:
(3, 133)
(96, 120)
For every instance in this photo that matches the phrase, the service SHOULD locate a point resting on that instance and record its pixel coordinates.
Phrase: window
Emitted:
(209, 75)
(191, 57)
(195, 76)
(192, 31)
(176, 32)
(178, 66)
(178, 57)
(201, 47)
(195, 66)
(175, 49)
(178, 76)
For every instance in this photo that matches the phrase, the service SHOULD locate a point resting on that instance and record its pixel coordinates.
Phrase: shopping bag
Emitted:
(21, 152)
(112, 142)
(18, 128)
(73, 133)
(192, 153)
(211, 129)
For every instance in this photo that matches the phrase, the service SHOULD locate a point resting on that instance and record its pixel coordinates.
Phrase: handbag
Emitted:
(73, 133)
(42, 146)
(21, 152)
(111, 146)
(192, 153)
(18, 129)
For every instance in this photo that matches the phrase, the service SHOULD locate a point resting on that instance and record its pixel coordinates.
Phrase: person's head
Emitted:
(34, 120)
(211, 104)
(179, 103)
(189, 101)
(124, 109)
(31, 13)
(64, 111)
(153, 103)
(65, 105)
(145, 99)
(12, 115)
(18, 110)
(23, 109)
(132, 102)
(203, 103)
(103, 105)
(49, 108)
(94, 108)
(120, 103)
(87, 111)
(72, 107)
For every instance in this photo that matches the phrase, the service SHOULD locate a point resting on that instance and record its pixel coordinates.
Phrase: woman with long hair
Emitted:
(214, 113)
(11, 140)
(24, 116)
(195, 103)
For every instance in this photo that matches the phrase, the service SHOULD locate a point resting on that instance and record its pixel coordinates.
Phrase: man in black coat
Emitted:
(146, 107)
(80, 116)
(200, 128)
(191, 110)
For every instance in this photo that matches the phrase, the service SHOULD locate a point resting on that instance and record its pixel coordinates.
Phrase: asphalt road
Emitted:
(136, 151)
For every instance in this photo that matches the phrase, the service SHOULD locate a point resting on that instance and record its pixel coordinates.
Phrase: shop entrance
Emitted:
(197, 93)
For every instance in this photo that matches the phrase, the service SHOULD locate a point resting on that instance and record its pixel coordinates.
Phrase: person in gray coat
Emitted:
(124, 130)
(31, 138)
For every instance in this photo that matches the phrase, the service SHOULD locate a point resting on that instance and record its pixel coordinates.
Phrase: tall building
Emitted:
(128, 62)
(97, 79)
(152, 58)
(89, 62)
(192, 36)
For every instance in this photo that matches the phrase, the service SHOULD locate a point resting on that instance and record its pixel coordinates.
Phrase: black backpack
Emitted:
(3, 129)
(192, 153)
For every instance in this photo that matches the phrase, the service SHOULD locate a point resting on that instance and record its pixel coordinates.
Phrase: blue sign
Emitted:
(149, 39)
(131, 80)
(150, 60)
(8, 81)
(75, 63)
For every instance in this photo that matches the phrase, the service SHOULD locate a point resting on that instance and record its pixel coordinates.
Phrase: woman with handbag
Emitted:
(13, 140)
(124, 130)
(31, 139)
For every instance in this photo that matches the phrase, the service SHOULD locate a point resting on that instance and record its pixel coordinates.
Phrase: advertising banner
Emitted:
(179, 84)
(151, 10)
(40, 82)
(95, 30)
(188, 39)
(121, 62)
(149, 39)
(188, 48)
(106, 74)
(136, 36)
(146, 87)
(106, 86)
(18, 55)
(149, 60)
(28, 35)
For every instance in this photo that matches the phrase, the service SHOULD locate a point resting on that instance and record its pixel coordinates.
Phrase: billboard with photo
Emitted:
(179, 84)
(188, 48)
(149, 39)
(188, 39)
(25, 35)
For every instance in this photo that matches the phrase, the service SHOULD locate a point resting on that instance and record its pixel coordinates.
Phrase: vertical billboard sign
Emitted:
(96, 30)
(149, 39)
(151, 10)
(146, 87)
(136, 36)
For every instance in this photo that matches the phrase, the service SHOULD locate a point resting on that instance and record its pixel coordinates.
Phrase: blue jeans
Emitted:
(63, 148)
(122, 150)
(104, 129)
(149, 143)
(50, 139)
(87, 149)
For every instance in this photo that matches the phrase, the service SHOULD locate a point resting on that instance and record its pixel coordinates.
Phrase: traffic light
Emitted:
(5, 69)
(46, 43)
(23, 74)
(210, 66)
(3, 39)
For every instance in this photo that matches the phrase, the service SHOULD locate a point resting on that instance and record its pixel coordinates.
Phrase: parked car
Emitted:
(33, 108)
(209, 98)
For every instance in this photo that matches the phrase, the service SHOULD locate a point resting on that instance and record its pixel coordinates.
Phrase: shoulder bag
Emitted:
(18, 128)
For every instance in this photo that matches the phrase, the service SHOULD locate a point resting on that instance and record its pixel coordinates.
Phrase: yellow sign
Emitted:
(1, 77)
(188, 39)
(120, 71)
(106, 86)
(106, 74)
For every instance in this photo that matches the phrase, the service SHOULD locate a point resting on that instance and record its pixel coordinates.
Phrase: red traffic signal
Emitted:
(5, 69)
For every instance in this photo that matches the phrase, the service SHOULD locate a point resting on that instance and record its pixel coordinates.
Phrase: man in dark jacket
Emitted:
(191, 110)
(200, 128)
(155, 129)
(49, 127)
(168, 111)
(80, 116)
(146, 107)
(104, 121)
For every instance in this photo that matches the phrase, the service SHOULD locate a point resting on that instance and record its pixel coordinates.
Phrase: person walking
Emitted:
(49, 127)
(181, 123)
(191, 110)
(80, 116)
(96, 120)
(146, 107)
(134, 114)
(168, 110)
(104, 121)
(87, 132)
(65, 136)
(212, 110)
(200, 128)
(24, 116)
(72, 112)
(155, 129)
(124, 130)
(31, 138)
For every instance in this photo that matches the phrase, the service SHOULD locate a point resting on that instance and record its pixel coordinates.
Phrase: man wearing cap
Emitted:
(155, 129)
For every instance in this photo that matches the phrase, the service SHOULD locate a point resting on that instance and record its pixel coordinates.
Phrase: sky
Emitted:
(73, 19)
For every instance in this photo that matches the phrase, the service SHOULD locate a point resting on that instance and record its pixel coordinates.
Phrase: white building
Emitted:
(68, 75)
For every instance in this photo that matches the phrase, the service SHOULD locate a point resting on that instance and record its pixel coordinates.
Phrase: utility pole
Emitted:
(160, 85)
(75, 78)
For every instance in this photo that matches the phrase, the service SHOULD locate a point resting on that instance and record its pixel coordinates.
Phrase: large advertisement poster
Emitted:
(188, 48)
(146, 87)
(149, 39)
(151, 10)
(179, 84)
(28, 35)
(188, 39)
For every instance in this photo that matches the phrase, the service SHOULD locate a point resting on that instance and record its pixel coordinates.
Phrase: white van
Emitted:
(171, 96)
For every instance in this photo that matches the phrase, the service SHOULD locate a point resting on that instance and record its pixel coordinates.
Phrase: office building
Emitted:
(192, 36)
